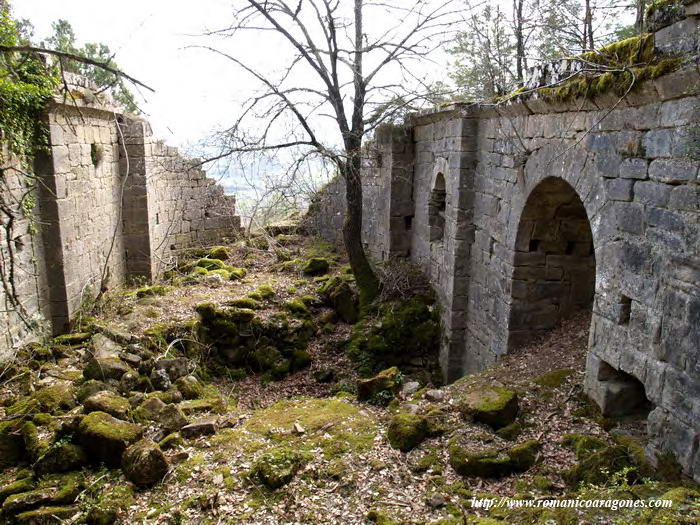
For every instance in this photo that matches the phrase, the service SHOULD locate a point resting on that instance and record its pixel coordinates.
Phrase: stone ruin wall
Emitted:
(524, 213)
(91, 209)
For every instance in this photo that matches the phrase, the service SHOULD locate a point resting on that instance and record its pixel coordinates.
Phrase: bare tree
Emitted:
(350, 66)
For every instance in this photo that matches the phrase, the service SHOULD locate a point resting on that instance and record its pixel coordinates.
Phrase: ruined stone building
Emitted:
(524, 212)
(109, 204)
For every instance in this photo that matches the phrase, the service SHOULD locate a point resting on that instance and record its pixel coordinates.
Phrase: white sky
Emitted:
(195, 91)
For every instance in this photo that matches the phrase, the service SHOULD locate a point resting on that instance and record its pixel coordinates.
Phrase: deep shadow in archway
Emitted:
(554, 263)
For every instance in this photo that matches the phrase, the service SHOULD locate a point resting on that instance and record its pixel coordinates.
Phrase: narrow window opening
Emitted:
(436, 209)
(96, 153)
(625, 310)
(570, 248)
(408, 222)
(534, 245)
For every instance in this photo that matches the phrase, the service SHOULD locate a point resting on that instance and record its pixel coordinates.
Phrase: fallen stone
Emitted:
(278, 466)
(205, 427)
(410, 388)
(144, 463)
(105, 368)
(436, 501)
(387, 380)
(406, 431)
(190, 387)
(132, 360)
(495, 406)
(105, 437)
(103, 347)
(435, 395)
(160, 379)
(172, 418)
(45, 515)
(176, 368)
(109, 402)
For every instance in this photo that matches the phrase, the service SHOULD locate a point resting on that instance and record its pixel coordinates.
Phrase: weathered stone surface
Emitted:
(495, 406)
(105, 438)
(105, 368)
(205, 427)
(109, 402)
(387, 380)
(144, 463)
(176, 368)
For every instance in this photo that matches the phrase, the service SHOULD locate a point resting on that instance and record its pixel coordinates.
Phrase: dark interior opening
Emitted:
(554, 265)
(436, 209)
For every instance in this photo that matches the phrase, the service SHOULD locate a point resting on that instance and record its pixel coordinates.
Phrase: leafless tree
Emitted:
(351, 66)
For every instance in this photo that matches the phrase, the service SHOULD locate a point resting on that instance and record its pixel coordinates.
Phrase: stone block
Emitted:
(674, 170)
(619, 189)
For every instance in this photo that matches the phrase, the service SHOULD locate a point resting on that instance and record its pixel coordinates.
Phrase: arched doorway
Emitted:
(554, 262)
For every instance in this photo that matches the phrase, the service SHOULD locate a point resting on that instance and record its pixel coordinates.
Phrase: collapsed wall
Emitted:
(112, 204)
(525, 212)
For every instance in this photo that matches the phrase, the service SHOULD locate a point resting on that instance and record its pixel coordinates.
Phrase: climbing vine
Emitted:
(26, 85)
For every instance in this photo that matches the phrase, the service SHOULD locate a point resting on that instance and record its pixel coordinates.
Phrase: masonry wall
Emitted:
(547, 208)
(109, 203)
(23, 313)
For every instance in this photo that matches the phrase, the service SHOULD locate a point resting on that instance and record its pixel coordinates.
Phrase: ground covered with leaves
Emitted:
(245, 388)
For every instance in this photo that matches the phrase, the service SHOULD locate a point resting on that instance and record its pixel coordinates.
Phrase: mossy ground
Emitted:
(348, 466)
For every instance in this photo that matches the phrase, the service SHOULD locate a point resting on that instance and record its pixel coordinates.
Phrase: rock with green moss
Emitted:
(437, 422)
(12, 450)
(171, 441)
(51, 399)
(16, 487)
(90, 387)
(495, 406)
(109, 402)
(77, 338)
(50, 514)
(105, 437)
(218, 252)
(237, 273)
(597, 467)
(510, 432)
(266, 291)
(300, 359)
(386, 383)
(223, 273)
(582, 444)
(406, 431)
(211, 264)
(56, 490)
(245, 302)
(278, 466)
(524, 455)
(151, 291)
(316, 266)
(102, 369)
(483, 462)
(144, 463)
(61, 456)
(338, 294)
(555, 378)
(297, 307)
(190, 387)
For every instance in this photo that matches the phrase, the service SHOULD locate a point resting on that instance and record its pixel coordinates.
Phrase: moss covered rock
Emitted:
(45, 515)
(582, 444)
(144, 463)
(278, 466)
(266, 291)
(386, 383)
(237, 273)
(597, 467)
(338, 294)
(406, 431)
(56, 490)
(211, 264)
(524, 455)
(109, 402)
(555, 378)
(77, 338)
(482, 462)
(105, 368)
(297, 307)
(190, 387)
(105, 437)
(218, 252)
(495, 406)
(61, 456)
(510, 432)
(12, 450)
(245, 302)
(316, 266)
(16, 487)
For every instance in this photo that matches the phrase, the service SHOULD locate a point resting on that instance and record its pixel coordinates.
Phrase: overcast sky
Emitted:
(195, 90)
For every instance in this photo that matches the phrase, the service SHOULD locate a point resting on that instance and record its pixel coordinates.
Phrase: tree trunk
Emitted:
(639, 19)
(519, 41)
(588, 28)
(367, 282)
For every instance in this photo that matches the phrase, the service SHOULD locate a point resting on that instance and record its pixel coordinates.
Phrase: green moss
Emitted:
(16, 487)
(276, 467)
(211, 264)
(105, 437)
(597, 467)
(151, 291)
(171, 441)
(12, 449)
(190, 387)
(266, 291)
(73, 339)
(510, 432)
(495, 406)
(583, 445)
(50, 514)
(218, 252)
(198, 270)
(225, 274)
(524, 455)
(430, 462)
(316, 266)
(51, 399)
(297, 307)
(406, 431)
(383, 386)
(380, 518)
(555, 378)
(245, 302)
(237, 273)
(483, 462)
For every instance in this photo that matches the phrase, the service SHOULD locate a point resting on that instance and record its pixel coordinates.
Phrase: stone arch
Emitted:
(437, 207)
(554, 264)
